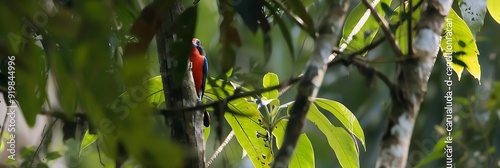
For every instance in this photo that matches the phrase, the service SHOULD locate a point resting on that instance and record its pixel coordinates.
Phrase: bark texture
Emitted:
(186, 127)
(327, 37)
(412, 84)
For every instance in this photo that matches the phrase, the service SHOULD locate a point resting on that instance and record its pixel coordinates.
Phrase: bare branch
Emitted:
(363, 66)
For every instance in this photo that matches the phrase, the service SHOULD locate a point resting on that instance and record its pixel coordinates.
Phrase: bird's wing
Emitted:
(205, 72)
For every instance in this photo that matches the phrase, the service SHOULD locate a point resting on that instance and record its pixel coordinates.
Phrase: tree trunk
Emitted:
(328, 34)
(186, 127)
(412, 84)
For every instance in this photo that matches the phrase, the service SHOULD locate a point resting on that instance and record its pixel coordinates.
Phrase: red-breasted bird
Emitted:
(200, 71)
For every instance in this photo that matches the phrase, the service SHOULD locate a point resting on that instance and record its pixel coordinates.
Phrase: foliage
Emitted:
(79, 50)
(257, 121)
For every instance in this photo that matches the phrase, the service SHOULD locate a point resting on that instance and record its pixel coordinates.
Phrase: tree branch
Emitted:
(328, 33)
(385, 27)
(412, 79)
(364, 67)
(185, 128)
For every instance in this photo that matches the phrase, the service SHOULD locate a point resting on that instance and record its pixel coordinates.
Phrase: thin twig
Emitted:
(3, 124)
(41, 141)
(221, 147)
(385, 27)
(235, 96)
(358, 62)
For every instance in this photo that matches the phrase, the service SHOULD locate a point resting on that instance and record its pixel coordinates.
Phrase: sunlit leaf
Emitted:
(206, 133)
(493, 8)
(344, 115)
(2, 145)
(401, 34)
(269, 80)
(303, 157)
(155, 91)
(361, 27)
(459, 47)
(251, 134)
(342, 143)
(88, 139)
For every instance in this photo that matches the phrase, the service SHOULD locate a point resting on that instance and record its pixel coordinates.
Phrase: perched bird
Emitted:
(200, 71)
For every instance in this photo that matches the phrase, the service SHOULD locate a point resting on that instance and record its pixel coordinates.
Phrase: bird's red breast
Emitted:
(197, 61)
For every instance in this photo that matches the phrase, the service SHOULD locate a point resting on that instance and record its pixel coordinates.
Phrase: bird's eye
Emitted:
(196, 42)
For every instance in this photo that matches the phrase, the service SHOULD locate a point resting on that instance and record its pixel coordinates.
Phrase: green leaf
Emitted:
(307, 3)
(269, 80)
(459, 47)
(237, 106)
(361, 27)
(42, 165)
(473, 12)
(342, 143)
(206, 133)
(52, 155)
(2, 145)
(30, 81)
(344, 115)
(493, 8)
(437, 152)
(252, 135)
(229, 37)
(303, 156)
(155, 91)
(284, 30)
(27, 152)
(401, 34)
(88, 139)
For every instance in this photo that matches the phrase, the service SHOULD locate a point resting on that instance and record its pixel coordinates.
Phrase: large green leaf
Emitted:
(269, 80)
(251, 133)
(459, 46)
(344, 115)
(361, 27)
(155, 91)
(303, 157)
(493, 8)
(342, 143)
(27, 78)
